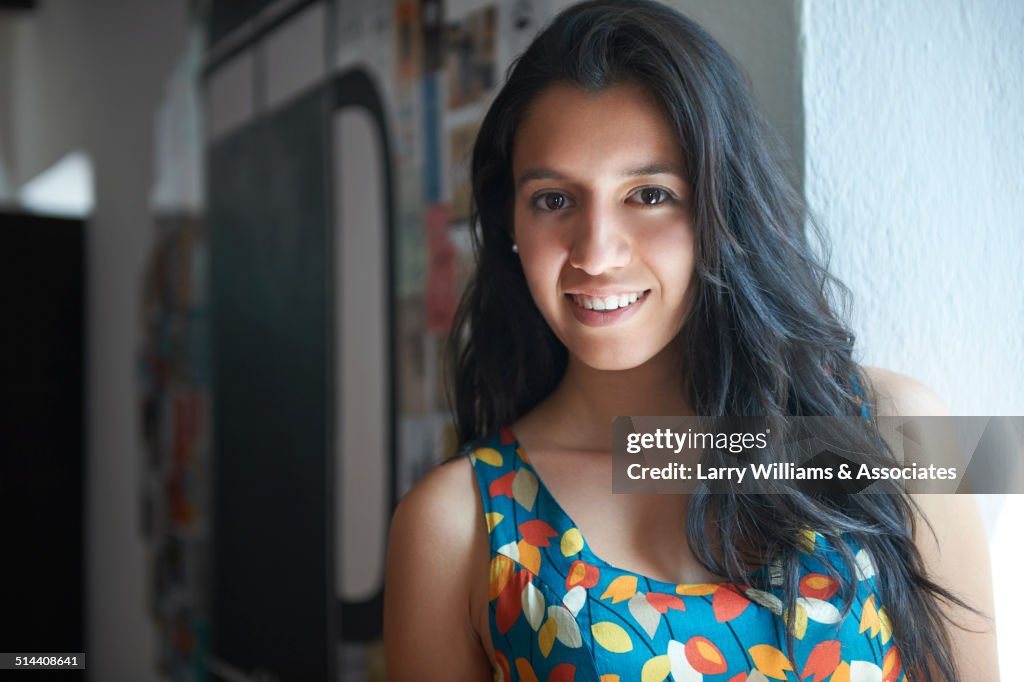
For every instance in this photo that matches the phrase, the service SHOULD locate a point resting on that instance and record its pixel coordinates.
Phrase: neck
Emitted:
(587, 399)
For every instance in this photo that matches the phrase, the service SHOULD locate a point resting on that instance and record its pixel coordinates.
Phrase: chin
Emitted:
(606, 360)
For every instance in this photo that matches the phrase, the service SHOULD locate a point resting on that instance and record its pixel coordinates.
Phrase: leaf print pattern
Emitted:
(559, 613)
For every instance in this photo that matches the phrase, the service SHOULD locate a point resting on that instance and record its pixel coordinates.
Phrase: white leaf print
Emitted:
(644, 614)
(574, 599)
(682, 671)
(865, 671)
(820, 611)
(533, 605)
(568, 629)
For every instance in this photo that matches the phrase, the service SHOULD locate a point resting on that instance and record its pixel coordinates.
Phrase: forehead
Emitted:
(571, 128)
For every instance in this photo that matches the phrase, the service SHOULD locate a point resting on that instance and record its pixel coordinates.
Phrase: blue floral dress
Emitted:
(559, 613)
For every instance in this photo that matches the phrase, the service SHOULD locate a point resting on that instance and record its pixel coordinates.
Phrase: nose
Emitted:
(600, 242)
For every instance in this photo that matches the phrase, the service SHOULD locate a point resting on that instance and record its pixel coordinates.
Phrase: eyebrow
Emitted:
(640, 171)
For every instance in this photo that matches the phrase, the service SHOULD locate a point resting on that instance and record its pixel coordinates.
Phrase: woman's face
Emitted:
(603, 222)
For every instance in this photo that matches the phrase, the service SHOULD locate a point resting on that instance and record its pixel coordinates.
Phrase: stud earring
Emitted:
(515, 247)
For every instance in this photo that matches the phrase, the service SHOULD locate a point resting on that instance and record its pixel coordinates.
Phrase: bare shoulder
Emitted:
(949, 534)
(436, 546)
(898, 394)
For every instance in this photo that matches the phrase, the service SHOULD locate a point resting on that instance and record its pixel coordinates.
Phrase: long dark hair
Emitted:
(764, 338)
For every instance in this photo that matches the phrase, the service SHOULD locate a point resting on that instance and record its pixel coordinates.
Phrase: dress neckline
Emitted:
(586, 552)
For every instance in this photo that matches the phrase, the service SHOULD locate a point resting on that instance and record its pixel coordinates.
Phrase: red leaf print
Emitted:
(818, 586)
(506, 435)
(891, 666)
(510, 601)
(563, 672)
(742, 677)
(823, 660)
(583, 574)
(536, 532)
(664, 602)
(704, 656)
(502, 661)
(728, 603)
(502, 486)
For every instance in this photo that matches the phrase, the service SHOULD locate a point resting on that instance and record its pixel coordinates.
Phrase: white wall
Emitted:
(914, 157)
(89, 75)
(915, 160)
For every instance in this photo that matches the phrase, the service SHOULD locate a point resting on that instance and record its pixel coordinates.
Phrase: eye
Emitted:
(551, 201)
(652, 196)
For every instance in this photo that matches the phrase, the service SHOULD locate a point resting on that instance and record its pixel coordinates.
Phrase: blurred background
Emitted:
(233, 236)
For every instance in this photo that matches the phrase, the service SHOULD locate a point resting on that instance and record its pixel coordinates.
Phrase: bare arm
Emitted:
(433, 558)
(957, 555)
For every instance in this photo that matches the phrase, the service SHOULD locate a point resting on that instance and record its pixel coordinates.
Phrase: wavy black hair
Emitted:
(765, 336)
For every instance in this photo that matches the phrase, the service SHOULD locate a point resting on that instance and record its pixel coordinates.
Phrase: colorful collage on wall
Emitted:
(174, 395)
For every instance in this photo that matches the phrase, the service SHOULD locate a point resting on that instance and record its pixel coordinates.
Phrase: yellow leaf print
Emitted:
(525, 670)
(883, 619)
(488, 456)
(612, 637)
(697, 589)
(621, 589)
(546, 637)
(501, 572)
(799, 621)
(770, 661)
(807, 539)
(656, 669)
(529, 557)
(609, 678)
(493, 519)
(572, 542)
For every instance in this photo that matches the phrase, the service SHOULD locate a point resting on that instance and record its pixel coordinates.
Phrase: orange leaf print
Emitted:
(525, 670)
(510, 601)
(583, 574)
(502, 673)
(818, 586)
(536, 532)
(697, 589)
(563, 672)
(891, 666)
(663, 602)
(502, 569)
(770, 661)
(742, 677)
(869, 619)
(620, 589)
(728, 603)
(529, 557)
(822, 661)
(842, 673)
(704, 656)
(546, 636)
(502, 487)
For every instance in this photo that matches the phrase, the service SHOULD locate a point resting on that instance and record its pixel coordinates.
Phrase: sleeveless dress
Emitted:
(559, 613)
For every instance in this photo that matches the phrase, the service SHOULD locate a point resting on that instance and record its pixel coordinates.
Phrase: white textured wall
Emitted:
(914, 157)
(914, 152)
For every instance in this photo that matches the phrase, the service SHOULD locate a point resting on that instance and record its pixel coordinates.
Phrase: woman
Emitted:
(640, 253)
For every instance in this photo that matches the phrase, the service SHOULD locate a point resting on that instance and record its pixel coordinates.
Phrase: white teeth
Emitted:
(613, 302)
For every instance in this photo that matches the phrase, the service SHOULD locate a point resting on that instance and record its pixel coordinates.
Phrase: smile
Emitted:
(607, 303)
